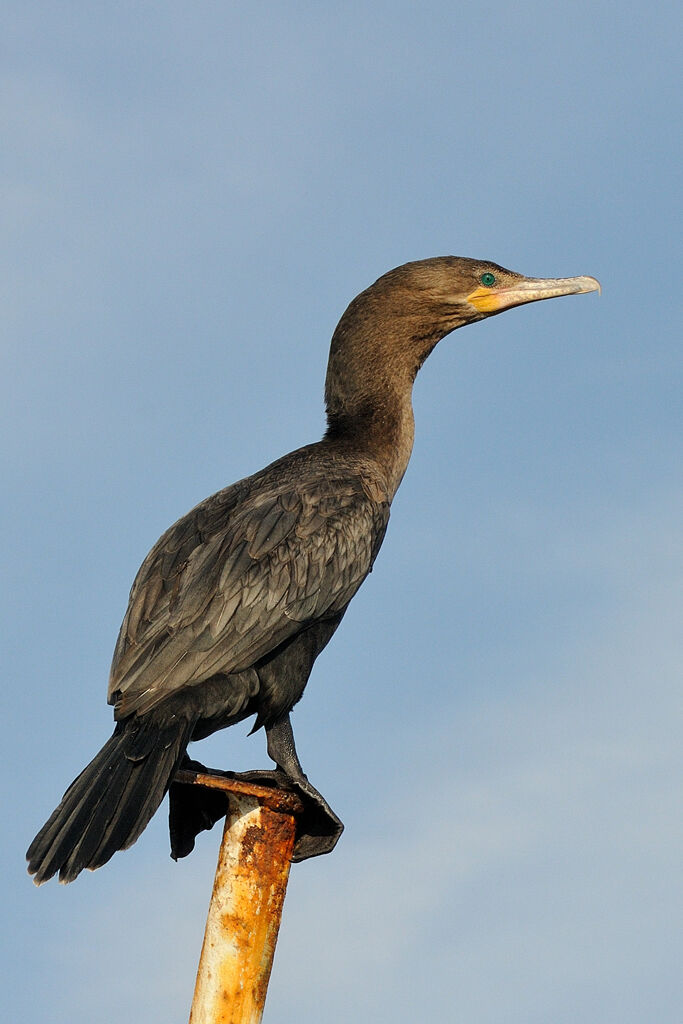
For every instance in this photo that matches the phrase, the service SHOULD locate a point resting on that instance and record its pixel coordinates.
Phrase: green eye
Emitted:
(488, 280)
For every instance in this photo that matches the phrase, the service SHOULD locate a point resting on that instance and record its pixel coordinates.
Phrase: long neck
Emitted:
(382, 432)
(368, 389)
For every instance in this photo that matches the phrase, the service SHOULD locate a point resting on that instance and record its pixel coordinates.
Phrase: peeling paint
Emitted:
(246, 905)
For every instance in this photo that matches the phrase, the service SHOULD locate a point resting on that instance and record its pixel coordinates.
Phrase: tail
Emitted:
(110, 803)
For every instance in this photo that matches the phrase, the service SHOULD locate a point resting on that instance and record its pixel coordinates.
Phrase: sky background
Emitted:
(191, 195)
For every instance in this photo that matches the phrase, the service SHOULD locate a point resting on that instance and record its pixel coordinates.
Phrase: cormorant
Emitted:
(233, 604)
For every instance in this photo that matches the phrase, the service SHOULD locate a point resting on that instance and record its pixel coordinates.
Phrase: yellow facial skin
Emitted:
(528, 289)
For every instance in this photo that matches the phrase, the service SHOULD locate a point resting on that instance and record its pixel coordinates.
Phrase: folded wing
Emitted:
(236, 577)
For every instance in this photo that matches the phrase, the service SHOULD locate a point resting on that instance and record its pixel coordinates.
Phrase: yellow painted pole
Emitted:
(246, 904)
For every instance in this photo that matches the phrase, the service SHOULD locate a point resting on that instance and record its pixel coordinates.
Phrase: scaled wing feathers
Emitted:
(241, 573)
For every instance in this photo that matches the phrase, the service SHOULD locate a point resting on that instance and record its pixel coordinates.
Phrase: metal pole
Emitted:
(246, 904)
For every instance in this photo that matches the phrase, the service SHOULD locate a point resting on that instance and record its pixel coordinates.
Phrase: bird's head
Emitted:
(388, 330)
(451, 291)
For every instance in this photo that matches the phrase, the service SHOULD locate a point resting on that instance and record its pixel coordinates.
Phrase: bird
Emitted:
(233, 604)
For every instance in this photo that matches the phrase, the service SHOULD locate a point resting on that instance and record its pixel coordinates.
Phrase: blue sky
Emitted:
(191, 195)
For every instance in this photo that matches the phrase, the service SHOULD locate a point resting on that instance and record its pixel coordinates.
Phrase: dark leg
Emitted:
(320, 822)
(282, 750)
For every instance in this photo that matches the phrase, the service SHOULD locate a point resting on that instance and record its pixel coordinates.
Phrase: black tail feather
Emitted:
(110, 803)
(64, 828)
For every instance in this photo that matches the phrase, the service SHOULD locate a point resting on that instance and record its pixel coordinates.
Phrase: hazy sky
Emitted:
(191, 195)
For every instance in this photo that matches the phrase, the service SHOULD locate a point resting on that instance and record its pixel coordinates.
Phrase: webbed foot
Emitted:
(193, 809)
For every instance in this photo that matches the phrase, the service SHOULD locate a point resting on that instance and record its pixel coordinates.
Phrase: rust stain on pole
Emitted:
(246, 904)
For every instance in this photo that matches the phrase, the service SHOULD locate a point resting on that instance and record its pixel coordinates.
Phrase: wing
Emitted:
(238, 576)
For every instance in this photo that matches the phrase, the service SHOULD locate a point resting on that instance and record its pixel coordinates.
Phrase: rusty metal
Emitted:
(246, 904)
